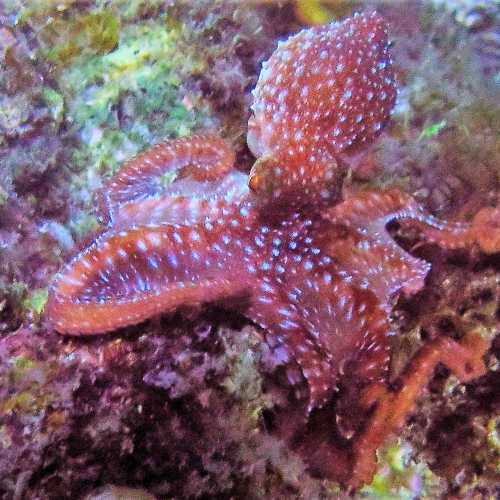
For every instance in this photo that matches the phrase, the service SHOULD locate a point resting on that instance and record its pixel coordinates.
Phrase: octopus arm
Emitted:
(327, 325)
(386, 206)
(192, 203)
(483, 231)
(202, 158)
(368, 251)
(349, 327)
(273, 310)
(125, 277)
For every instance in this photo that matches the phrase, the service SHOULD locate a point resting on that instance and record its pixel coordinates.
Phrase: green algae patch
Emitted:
(3, 196)
(21, 363)
(36, 300)
(29, 377)
(31, 401)
(120, 102)
(83, 225)
(244, 380)
(494, 433)
(94, 33)
(55, 103)
(432, 130)
(493, 428)
(400, 477)
(21, 369)
(313, 12)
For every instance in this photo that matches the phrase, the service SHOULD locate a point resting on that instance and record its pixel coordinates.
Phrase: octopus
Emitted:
(312, 264)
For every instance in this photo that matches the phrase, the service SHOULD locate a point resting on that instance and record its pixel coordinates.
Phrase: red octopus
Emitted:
(317, 272)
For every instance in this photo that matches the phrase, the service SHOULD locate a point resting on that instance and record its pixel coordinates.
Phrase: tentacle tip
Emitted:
(486, 229)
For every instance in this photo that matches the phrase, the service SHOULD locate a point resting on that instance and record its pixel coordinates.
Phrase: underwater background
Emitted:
(182, 406)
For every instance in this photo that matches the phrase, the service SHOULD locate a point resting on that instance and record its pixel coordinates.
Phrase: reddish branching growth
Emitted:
(464, 359)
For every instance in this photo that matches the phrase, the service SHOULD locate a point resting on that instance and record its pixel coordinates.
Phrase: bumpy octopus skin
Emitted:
(318, 274)
(322, 93)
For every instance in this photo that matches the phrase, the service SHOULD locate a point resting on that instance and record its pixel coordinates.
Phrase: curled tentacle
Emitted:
(286, 323)
(367, 250)
(157, 171)
(483, 231)
(192, 203)
(486, 229)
